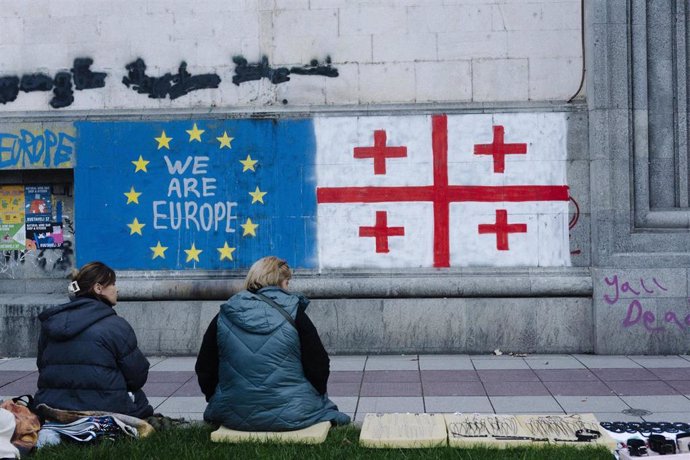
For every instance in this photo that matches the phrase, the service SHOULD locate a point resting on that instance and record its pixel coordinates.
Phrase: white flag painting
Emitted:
(441, 191)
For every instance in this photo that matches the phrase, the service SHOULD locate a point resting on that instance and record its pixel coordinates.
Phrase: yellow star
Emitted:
(257, 195)
(163, 141)
(132, 196)
(193, 253)
(249, 227)
(225, 140)
(195, 133)
(140, 164)
(226, 252)
(135, 227)
(248, 164)
(159, 251)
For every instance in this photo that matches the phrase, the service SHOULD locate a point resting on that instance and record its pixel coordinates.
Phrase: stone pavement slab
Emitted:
(554, 362)
(603, 385)
(499, 362)
(392, 362)
(18, 364)
(525, 405)
(452, 404)
(573, 404)
(446, 362)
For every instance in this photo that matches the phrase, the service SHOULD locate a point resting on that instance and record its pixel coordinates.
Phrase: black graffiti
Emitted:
(36, 82)
(13, 256)
(249, 72)
(9, 89)
(315, 69)
(84, 78)
(63, 94)
(64, 262)
(69, 225)
(61, 84)
(168, 85)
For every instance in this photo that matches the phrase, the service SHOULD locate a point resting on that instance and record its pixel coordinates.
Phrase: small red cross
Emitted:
(502, 229)
(379, 152)
(498, 149)
(381, 231)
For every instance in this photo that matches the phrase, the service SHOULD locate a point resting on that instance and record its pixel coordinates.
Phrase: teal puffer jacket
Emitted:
(261, 384)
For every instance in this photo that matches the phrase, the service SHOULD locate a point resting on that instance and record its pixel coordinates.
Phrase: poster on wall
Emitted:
(42, 232)
(12, 232)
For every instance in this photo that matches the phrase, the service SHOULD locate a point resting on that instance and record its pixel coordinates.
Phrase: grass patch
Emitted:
(342, 443)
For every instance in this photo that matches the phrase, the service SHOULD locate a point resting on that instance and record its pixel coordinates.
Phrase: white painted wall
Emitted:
(387, 51)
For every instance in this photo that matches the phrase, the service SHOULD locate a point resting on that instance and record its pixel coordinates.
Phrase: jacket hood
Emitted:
(249, 312)
(66, 321)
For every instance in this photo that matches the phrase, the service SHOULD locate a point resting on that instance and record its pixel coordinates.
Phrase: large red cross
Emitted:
(498, 149)
(381, 231)
(501, 228)
(379, 152)
(440, 193)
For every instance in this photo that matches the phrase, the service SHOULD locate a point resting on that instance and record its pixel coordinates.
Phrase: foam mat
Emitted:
(315, 434)
(403, 430)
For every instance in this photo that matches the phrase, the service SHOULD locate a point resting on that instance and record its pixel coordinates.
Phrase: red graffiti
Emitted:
(502, 229)
(381, 231)
(380, 152)
(498, 149)
(573, 221)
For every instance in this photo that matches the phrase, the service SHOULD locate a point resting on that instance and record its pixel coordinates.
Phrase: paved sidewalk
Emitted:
(614, 388)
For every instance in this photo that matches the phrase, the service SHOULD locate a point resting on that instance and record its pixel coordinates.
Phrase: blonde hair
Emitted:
(267, 271)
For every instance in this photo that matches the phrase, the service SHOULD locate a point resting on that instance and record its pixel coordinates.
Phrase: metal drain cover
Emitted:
(637, 412)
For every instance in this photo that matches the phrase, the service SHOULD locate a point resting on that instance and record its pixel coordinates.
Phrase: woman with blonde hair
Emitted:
(88, 358)
(262, 365)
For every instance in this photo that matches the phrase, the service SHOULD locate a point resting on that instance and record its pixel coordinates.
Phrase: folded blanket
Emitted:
(92, 428)
(60, 416)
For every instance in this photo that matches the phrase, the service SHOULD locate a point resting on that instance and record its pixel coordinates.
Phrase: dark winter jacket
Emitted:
(88, 359)
(261, 385)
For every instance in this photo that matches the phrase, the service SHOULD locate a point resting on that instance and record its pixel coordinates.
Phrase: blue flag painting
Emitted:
(195, 194)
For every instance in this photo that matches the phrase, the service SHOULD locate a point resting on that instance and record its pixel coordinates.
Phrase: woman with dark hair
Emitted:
(262, 365)
(88, 357)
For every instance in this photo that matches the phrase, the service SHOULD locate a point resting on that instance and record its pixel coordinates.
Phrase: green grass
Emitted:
(194, 443)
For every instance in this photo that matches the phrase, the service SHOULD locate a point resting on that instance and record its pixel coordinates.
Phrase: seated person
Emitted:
(88, 359)
(263, 367)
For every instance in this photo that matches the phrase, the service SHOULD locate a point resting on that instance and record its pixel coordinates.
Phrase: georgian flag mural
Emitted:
(329, 192)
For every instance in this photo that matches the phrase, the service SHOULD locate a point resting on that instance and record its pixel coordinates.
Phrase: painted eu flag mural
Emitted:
(209, 194)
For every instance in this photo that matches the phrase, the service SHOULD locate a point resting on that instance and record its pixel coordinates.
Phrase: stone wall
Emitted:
(638, 106)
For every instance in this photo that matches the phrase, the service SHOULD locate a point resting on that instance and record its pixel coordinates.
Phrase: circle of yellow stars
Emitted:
(249, 228)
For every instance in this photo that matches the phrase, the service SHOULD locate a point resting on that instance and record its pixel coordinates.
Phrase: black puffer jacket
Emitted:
(88, 359)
